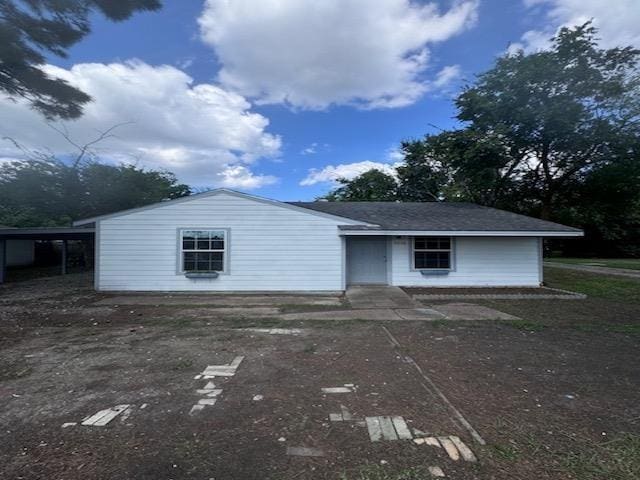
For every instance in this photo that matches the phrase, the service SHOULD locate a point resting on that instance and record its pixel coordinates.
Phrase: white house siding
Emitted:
(271, 247)
(20, 252)
(478, 261)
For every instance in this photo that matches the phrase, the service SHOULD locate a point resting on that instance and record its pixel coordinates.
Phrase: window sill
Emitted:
(196, 275)
(434, 272)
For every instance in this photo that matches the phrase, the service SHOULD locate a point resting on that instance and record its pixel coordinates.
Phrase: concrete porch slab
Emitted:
(470, 311)
(221, 300)
(381, 296)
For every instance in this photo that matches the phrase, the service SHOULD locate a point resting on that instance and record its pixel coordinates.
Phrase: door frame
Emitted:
(387, 259)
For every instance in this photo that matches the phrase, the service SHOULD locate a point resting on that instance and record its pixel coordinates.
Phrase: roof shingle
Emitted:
(435, 216)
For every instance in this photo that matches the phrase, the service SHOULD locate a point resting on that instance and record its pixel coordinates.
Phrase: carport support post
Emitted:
(3, 260)
(64, 258)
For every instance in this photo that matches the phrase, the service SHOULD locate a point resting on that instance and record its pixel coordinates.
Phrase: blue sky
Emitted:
(279, 99)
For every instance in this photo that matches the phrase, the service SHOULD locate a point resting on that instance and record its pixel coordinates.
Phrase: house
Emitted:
(224, 240)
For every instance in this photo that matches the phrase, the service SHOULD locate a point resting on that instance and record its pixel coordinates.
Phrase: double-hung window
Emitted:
(432, 253)
(203, 250)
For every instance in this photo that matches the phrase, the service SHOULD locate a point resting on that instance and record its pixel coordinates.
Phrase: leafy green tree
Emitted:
(31, 29)
(423, 176)
(552, 116)
(50, 192)
(554, 134)
(373, 185)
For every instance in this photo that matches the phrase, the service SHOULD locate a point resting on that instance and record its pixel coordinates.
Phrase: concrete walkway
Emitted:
(449, 311)
(377, 303)
(379, 296)
(221, 300)
(618, 272)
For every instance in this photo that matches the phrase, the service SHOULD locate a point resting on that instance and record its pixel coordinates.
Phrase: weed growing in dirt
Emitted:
(526, 325)
(14, 371)
(506, 452)
(379, 472)
(616, 459)
(629, 329)
(182, 364)
(310, 348)
(297, 308)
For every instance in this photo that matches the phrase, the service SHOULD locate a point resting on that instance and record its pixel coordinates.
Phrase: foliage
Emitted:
(373, 185)
(618, 458)
(553, 134)
(31, 29)
(380, 472)
(50, 192)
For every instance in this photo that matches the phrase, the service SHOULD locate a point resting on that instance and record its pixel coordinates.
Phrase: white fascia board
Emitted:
(459, 233)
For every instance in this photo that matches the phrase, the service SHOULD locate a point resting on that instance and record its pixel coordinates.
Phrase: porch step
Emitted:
(379, 296)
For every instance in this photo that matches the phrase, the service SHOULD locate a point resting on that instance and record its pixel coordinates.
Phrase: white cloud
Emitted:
(311, 55)
(239, 176)
(197, 131)
(331, 173)
(616, 20)
(310, 150)
(314, 148)
(447, 76)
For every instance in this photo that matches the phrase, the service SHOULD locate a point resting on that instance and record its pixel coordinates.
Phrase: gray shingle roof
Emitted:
(435, 216)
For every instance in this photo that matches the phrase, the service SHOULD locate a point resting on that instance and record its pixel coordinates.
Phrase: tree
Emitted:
(370, 186)
(552, 116)
(49, 192)
(554, 134)
(31, 29)
(423, 177)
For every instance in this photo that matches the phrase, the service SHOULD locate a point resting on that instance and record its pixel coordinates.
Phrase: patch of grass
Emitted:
(296, 308)
(265, 322)
(617, 459)
(439, 323)
(381, 472)
(505, 452)
(310, 348)
(629, 329)
(594, 285)
(628, 263)
(182, 364)
(526, 325)
(15, 371)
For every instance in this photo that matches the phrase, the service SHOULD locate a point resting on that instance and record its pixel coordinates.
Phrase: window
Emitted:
(432, 253)
(203, 250)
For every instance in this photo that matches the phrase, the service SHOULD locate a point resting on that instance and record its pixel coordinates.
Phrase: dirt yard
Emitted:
(554, 395)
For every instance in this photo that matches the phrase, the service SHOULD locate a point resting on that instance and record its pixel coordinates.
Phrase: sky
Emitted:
(281, 97)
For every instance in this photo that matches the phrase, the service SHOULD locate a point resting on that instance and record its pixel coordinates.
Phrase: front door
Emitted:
(366, 260)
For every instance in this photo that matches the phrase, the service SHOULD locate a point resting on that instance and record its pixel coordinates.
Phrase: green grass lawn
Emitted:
(629, 263)
(594, 285)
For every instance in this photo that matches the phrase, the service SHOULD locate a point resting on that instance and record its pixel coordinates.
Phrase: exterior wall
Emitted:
(477, 262)
(270, 247)
(20, 252)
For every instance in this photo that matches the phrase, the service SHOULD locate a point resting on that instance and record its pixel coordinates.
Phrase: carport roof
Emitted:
(48, 233)
(435, 217)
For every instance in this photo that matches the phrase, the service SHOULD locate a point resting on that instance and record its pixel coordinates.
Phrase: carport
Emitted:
(64, 234)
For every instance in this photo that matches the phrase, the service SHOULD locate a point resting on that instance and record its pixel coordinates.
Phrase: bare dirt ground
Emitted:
(551, 401)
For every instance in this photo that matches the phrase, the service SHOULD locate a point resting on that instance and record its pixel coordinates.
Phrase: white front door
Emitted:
(366, 260)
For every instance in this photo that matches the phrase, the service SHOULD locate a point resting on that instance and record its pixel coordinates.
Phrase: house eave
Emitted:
(345, 231)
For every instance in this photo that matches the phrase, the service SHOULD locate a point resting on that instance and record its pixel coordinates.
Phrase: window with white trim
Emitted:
(203, 250)
(432, 253)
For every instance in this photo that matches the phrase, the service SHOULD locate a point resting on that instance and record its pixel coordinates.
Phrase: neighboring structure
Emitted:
(228, 241)
(17, 244)
(19, 253)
